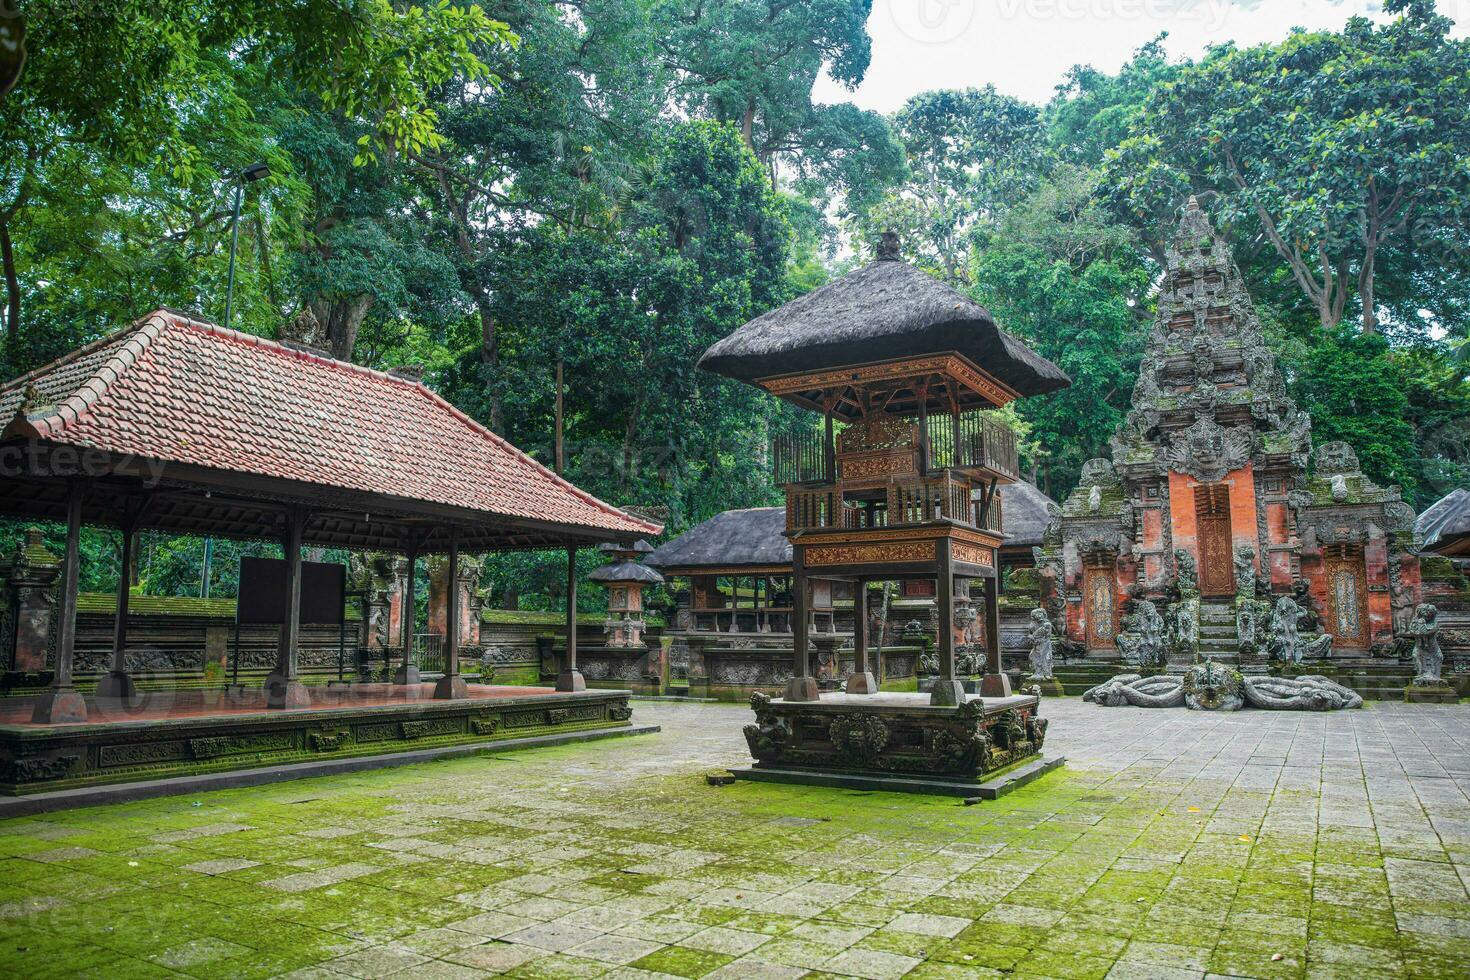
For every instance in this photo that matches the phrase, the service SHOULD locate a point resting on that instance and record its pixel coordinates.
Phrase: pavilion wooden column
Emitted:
(283, 688)
(117, 684)
(62, 703)
(803, 685)
(451, 685)
(861, 680)
(995, 683)
(408, 673)
(570, 678)
(947, 688)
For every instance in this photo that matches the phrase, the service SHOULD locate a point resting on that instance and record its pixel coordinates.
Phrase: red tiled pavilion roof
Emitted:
(186, 391)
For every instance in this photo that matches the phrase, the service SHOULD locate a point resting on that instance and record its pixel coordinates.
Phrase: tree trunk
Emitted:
(12, 292)
(1366, 288)
(560, 449)
(489, 355)
(747, 125)
(341, 319)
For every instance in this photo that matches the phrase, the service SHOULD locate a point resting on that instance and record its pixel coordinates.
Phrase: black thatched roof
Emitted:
(625, 571)
(735, 539)
(1025, 511)
(883, 311)
(1445, 526)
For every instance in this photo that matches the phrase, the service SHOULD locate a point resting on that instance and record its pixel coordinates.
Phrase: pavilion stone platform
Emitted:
(189, 733)
(980, 748)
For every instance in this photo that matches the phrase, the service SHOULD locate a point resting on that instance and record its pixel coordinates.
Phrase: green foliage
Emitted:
(1353, 389)
(1059, 274)
(1347, 151)
(971, 154)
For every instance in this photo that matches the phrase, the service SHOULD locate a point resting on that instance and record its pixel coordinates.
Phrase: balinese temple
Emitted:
(1215, 505)
(898, 480)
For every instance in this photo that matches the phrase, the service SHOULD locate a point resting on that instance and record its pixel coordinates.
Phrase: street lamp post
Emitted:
(252, 173)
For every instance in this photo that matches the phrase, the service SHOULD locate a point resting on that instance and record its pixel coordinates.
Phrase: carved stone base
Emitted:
(947, 693)
(127, 749)
(1441, 693)
(571, 680)
(864, 683)
(450, 687)
(899, 735)
(116, 685)
(802, 689)
(59, 706)
(407, 674)
(285, 694)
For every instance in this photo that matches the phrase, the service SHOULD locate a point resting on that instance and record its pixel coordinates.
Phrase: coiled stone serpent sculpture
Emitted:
(1214, 687)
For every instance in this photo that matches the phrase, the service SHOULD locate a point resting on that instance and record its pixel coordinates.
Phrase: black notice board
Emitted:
(262, 596)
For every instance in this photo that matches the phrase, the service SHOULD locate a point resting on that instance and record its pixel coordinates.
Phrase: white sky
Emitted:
(1025, 46)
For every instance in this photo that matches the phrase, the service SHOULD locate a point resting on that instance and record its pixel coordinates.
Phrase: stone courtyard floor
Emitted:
(1173, 844)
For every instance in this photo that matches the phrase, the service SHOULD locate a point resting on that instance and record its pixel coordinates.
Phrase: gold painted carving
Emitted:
(886, 464)
(870, 554)
(972, 555)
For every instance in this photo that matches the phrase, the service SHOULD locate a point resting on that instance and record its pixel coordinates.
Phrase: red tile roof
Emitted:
(186, 391)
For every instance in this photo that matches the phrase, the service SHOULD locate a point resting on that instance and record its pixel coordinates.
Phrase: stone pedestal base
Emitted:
(284, 694)
(450, 688)
(571, 680)
(1441, 693)
(802, 689)
(116, 685)
(408, 674)
(59, 706)
(947, 692)
(892, 735)
(864, 683)
(1050, 687)
(995, 686)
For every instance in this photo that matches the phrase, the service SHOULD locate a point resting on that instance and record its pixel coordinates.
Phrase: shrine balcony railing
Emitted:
(985, 443)
(942, 496)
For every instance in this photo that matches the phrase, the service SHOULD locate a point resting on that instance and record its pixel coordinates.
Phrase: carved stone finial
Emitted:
(887, 250)
(1193, 204)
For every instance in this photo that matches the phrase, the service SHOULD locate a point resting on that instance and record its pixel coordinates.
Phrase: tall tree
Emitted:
(971, 154)
(1344, 149)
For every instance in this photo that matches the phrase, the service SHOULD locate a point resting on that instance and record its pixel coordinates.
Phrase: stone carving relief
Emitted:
(1208, 452)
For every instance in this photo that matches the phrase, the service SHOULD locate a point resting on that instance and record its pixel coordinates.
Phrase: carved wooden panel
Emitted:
(1099, 608)
(1216, 560)
(1347, 601)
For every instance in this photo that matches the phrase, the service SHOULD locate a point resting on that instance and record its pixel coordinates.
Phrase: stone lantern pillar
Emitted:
(625, 578)
(28, 580)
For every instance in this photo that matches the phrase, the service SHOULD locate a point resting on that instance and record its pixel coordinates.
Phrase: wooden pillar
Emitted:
(862, 680)
(923, 394)
(829, 447)
(408, 673)
(283, 688)
(62, 703)
(116, 684)
(947, 688)
(803, 685)
(996, 683)
(451, 686)
(570, 678)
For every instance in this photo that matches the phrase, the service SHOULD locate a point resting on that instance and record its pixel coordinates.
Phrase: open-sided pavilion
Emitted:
(177, 425)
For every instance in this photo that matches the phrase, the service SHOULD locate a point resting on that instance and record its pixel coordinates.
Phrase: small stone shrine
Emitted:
(625, 578)
(1215, 531)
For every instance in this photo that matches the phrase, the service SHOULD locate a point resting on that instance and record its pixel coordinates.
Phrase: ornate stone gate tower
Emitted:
(1207, 509)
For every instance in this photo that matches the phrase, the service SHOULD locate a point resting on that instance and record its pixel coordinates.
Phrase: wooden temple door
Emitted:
(1099, 608)
(1212, 525)
(1347, 598)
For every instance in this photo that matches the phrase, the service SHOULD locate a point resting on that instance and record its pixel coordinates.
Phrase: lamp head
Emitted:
(254, 172)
